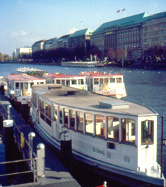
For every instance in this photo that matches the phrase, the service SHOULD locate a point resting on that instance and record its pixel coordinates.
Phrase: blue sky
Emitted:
(23, 22)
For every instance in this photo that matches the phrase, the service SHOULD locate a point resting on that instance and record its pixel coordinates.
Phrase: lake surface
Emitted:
(146, 87)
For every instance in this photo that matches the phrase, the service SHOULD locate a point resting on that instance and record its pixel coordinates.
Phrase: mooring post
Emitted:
(8, 111)
(31, 135)
(41, 160)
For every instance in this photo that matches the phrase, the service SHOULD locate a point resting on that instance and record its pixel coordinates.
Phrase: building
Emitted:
(80, 38)
(120, 38)
(128, 37)
(22, 52)
(37, 46)
(49, 43)
(154, 31)
(63, 41)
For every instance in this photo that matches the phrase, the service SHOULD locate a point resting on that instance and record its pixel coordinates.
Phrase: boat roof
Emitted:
(84, 100)
(81, 74)
(22, 77)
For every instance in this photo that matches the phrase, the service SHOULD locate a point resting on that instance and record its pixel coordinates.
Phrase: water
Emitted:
(146, 87)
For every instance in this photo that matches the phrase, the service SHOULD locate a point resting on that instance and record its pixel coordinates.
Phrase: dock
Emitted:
(55, 173)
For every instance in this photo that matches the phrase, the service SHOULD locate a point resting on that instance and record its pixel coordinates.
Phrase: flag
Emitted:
(117, 11)
(123, 9)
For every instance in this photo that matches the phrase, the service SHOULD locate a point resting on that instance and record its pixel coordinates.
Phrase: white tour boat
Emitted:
(101, 83)
(82, 64)
(19, 87)
(106, 133)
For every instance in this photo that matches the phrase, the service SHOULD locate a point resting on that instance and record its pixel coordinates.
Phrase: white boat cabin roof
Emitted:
(83, 100)
(22, 77)
(81, 74)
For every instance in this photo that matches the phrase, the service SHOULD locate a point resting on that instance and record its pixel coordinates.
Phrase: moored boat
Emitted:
(83, 64)
(109, 134)
(101, 83)
(19, 87)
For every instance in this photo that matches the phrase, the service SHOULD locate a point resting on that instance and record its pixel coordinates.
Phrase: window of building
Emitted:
(147, 134)
(80, 120)
(100, 125)
(113, 128)
(128, 130)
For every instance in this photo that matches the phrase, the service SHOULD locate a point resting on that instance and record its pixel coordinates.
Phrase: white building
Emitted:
(21, 52)
(37, 46)
(50, 44)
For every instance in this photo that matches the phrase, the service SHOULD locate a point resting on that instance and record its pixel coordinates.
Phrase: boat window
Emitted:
(68, 82)
(89, 123)
(63, 82)
(26, 86)
(66, 114)
(118, 80)
(147, 127)
(96, 81)
(55, 112)
(81, 81)
(17, 85)
(32, 84)
(21, 86)
(106, 80)
(80, 121)
(113, 127)
(74, 82)
(101, 81)
(128, 130)
(112, 80)
(72, 119)
(100, 125)
(61, 114)
(58, 82)
(45, 112)
(34, 101)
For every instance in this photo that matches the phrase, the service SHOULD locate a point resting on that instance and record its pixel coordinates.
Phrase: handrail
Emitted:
(32, 160)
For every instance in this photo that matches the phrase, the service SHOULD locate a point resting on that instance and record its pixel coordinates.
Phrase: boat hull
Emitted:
(109, 171)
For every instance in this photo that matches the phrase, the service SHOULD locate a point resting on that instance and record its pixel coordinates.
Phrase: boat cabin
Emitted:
(19, 86)
(115, 135)
(101, 83)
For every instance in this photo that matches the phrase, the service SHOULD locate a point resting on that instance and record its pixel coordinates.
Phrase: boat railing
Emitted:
(29, 158)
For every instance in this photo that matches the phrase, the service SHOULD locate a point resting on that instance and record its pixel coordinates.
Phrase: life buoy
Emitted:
(25, 92)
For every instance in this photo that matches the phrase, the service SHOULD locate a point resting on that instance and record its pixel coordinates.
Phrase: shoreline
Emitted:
(148, 66)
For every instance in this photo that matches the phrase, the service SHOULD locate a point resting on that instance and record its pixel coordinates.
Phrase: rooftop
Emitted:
(123, 22)
(81, 33)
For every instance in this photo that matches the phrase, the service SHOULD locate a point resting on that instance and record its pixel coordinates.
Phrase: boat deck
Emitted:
(83, 100)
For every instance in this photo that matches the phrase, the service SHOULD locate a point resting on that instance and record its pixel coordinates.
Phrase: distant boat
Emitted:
(106, 134)
(101, 83)
(83, 64)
